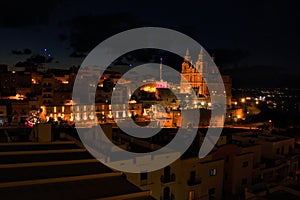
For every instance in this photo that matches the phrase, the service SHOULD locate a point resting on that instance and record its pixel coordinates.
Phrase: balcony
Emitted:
(144, 182)
(193, 182)
(168, 179)
(169, 197)
(45, 96)
(47, 90)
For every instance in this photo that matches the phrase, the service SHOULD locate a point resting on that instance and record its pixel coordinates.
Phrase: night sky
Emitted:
(266, 32)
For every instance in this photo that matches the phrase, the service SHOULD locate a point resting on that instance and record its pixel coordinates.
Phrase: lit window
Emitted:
(213, 172)
(192, 195)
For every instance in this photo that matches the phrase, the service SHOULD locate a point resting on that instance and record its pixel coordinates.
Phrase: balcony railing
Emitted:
(170, 197)
(192, 182)
(47, 90)
(168, 179)
(144, 182)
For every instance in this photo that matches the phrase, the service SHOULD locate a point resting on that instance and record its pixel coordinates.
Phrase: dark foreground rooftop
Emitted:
(59, 170)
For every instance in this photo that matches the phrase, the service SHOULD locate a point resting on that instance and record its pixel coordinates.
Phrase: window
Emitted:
(290, 149)
(193, 180)
(213, 172)
(192, 176)
(192, 195)
(226, 176)
(227, 158)
(144, 176)
(167, 171)
(245, 164)
(244, 181)
(167, 177)
(277, 151)
(211, 191)
(166, 193)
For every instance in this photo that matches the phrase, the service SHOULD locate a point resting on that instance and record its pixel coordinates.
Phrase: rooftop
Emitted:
(59, 170)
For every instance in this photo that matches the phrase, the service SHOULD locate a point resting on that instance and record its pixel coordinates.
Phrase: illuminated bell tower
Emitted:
(200, 73)
(194, 74)
(187, 72)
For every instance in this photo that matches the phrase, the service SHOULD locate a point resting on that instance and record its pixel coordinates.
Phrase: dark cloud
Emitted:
(40, 59)
(23, 64)
(88, 31)
(27, 51)
(16, 13)
(17, 52)
(62, 37)
(21, 52)
(77, 54)
(260, 32)
(34, 60)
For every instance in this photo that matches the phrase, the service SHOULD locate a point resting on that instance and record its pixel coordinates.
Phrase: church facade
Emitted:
(193, 76)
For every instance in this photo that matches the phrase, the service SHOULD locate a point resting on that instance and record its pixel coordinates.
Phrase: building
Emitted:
(3, 115)
(184, 179)
(273, 160)
(187, 178)
(20, 111)
(242, 162)
(195, 74)
(60, 170)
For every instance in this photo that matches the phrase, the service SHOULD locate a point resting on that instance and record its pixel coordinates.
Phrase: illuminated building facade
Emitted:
(194, 74)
